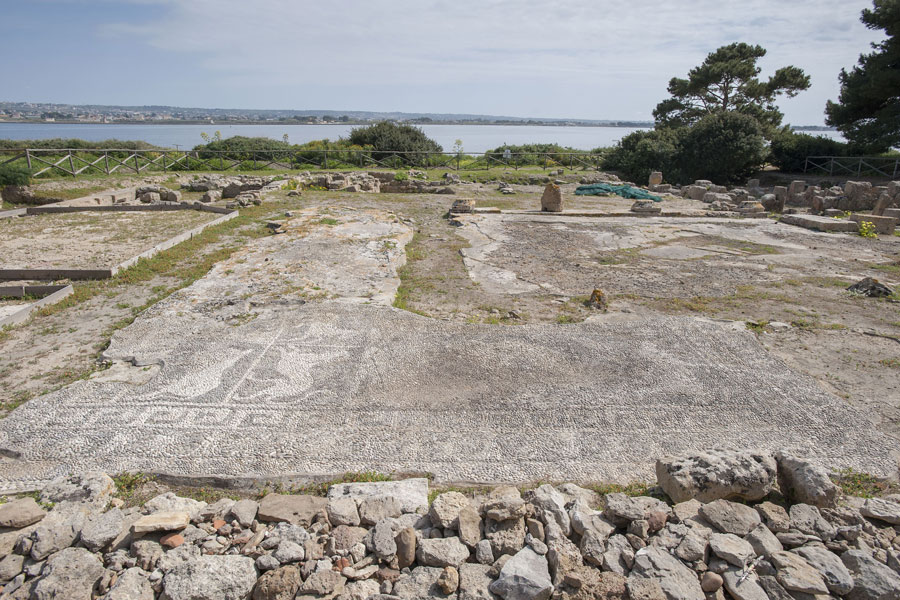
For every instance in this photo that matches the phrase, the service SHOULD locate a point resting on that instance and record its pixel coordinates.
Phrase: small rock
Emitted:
(278, 584)
(375, 508)
(288, 552)
(449, 580)
(444, 512)
(763, 541)
(100, 530)
(525, 576)
(161, 521)
(807, 519)
(795, 574)
(244, 511)
(483, 553)
(171, 540)
(731, 548)
(442, 552)
(343, 511)
(711, 582)
(406, 547)
(730, 517)
(20, 513)
(775, 517)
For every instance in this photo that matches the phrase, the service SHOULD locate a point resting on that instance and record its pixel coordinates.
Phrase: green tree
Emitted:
(728, 80)
(725, 147)
(868, 110)
(387, 138)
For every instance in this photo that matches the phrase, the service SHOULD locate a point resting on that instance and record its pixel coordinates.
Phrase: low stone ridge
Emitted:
(560, 542)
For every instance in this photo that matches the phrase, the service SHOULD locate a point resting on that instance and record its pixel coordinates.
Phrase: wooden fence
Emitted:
(854, 165)
(74, 161)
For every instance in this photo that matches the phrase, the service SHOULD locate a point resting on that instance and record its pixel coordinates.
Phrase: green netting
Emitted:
(626, 191)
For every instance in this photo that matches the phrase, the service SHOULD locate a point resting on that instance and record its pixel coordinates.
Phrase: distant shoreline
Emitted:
(625, 124)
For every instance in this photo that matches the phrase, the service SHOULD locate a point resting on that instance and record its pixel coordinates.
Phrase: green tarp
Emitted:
(605, 189)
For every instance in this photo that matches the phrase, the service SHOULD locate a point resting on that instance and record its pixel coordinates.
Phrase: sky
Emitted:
(595, 59)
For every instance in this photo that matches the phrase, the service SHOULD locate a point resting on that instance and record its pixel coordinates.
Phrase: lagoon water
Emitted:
(475, 138)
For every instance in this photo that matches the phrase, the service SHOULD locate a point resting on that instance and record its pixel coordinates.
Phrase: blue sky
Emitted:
(605, 59)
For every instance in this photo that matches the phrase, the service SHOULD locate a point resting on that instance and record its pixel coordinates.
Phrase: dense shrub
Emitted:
(75, 144)
(386, 138)
(789, 150)
(14, 175)
(642, 152)
(724, 147)
(242, 148)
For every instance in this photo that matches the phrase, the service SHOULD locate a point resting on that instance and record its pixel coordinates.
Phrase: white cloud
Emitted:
(589, 59)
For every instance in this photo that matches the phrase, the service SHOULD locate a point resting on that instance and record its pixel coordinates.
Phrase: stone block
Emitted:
(883, 225)
(818, 223)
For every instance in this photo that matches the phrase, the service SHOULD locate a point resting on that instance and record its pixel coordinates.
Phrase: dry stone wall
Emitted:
(723, 538)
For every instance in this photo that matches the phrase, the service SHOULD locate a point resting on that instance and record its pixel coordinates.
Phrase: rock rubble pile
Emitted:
(723, 538)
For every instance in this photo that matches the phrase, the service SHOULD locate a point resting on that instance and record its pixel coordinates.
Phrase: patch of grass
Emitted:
(567, 319)
(635, 488)
(127, 484)
(408, 282)
(757, 326)
(893, 363)
(328, 221)
(892, 268)
(864, 485)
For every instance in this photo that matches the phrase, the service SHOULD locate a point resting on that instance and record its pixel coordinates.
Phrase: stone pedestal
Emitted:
(551, 201)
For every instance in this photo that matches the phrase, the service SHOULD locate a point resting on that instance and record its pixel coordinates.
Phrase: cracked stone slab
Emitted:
(252, 376)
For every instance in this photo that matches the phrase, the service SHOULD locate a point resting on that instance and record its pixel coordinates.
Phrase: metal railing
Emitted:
(76, 161)
(888, 166)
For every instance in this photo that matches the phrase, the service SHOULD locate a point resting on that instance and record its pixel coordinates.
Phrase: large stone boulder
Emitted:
(678, 582)
(525, 576)
(717, 474)
(100, 530)
(801, 481)
(92, 488)
(882, 509)
(70, 573)
(730, 517)
(871, 579)
(829, 565)
(620, 510)
(211, 578)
